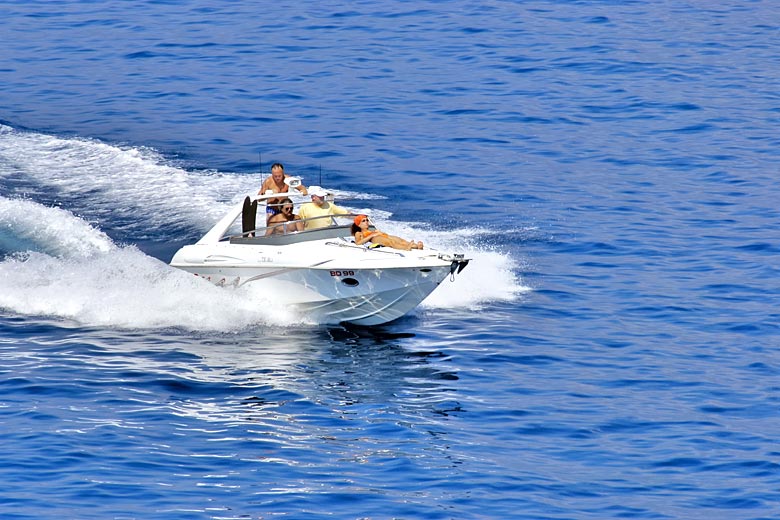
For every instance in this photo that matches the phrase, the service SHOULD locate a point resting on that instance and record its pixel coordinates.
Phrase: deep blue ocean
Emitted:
(612, 350)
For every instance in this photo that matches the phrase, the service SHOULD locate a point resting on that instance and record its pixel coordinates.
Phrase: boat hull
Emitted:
(365, 290)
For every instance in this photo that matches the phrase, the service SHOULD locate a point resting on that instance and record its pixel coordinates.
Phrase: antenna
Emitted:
(261, 161)
(320, 174)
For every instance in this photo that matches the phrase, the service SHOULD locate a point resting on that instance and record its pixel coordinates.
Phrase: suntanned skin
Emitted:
(276, 184)
(383, 239)
(285, 216)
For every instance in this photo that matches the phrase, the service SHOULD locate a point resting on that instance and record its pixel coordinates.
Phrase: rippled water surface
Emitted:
(610, 352)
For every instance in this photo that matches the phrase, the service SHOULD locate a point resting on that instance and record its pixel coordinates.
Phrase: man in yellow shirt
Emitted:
(318, 207)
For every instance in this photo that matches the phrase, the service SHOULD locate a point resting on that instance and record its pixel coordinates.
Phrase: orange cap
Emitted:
(359, 219)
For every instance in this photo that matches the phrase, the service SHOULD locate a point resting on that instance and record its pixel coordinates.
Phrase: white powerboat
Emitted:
(321, 272)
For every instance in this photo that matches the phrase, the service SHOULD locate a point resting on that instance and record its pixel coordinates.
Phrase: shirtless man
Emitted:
(275, 183)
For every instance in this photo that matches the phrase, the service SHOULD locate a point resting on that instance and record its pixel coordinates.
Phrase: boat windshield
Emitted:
(292, 231)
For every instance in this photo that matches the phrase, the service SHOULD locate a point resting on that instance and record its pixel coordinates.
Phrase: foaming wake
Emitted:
(110, 183)
(71, 269)
(125, 288)
(26, 225)
(59, 265)
(489, 277)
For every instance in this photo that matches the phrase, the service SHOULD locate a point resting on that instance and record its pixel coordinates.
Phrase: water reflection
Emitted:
(290, 412)
(361, 367)
(322, 375)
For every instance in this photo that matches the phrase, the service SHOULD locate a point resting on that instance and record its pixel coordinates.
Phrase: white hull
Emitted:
(380, 296)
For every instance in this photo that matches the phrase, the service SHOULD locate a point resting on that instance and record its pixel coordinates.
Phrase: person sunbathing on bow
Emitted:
(362, 235)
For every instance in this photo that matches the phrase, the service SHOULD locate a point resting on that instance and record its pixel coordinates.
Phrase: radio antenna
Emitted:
(320, 174)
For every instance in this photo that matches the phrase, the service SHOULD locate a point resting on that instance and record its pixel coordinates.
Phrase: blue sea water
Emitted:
(612, 351)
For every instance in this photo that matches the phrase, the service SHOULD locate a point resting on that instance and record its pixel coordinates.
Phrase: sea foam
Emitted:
(58, 262)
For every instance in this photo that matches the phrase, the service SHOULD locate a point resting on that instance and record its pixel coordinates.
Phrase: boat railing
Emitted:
(290, 232)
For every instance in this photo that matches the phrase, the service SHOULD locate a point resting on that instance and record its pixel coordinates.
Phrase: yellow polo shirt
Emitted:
(311, 210)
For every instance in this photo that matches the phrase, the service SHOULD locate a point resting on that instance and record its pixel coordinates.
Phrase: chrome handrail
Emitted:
(263, 231)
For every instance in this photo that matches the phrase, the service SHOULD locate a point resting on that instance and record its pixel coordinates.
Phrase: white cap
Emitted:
(318, 191)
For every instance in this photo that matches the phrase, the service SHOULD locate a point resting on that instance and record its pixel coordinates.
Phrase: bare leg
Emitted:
(394, 242)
